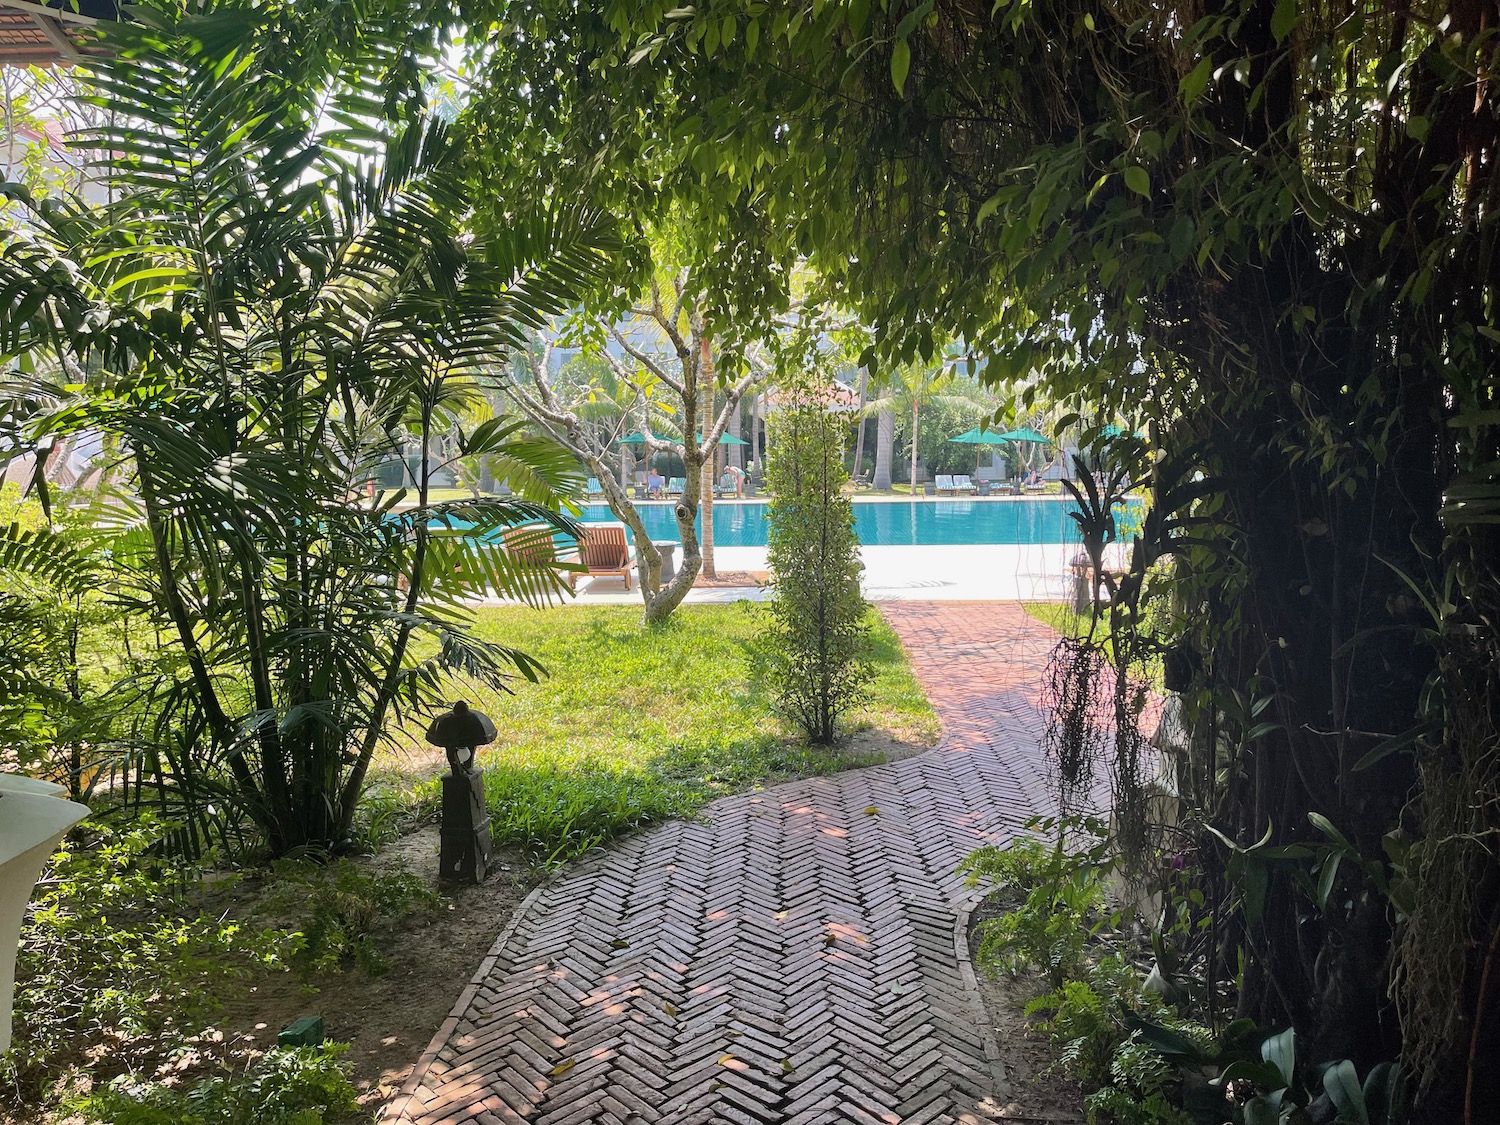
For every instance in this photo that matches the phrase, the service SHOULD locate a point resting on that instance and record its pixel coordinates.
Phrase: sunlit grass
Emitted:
(636, 724)
(1068, 622)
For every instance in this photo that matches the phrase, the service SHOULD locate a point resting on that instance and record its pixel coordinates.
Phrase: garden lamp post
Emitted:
(464, 854)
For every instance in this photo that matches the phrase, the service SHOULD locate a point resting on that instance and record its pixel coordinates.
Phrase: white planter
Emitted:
(32, 820)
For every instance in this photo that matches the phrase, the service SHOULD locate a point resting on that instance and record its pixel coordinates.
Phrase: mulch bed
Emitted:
(730, 578)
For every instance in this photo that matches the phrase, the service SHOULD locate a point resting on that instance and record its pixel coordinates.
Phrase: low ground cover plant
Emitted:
(129, 956)
(117, 963)
(1145, 1051)
(1062, 905)
(286, 1086)
(339, 911)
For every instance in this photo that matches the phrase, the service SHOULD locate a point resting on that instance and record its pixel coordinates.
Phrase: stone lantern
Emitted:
(33, 818)
(464, 855)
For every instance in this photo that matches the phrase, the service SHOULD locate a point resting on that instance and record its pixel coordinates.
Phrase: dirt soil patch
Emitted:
(390, 1019)
(1041, 1093)
(725, 579)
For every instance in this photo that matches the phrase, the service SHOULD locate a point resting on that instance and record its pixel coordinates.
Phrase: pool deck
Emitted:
(984, 573)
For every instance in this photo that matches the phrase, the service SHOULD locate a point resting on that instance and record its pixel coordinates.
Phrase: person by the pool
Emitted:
(733, 480)
(1033, 479)
(654, 483)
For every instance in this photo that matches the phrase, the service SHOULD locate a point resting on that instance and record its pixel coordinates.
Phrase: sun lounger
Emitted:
(595, 489)
(603, 551)
(676, 485)
(533, 547)
(943, 484)
(963, 484)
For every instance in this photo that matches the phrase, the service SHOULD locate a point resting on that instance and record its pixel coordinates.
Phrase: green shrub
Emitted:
(1095, 1027)
(291, 1086)
(116, 961)
(820, 662)
(1061, 912)
(343, 908)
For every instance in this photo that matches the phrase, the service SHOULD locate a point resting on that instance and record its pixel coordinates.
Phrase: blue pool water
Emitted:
(898, 523)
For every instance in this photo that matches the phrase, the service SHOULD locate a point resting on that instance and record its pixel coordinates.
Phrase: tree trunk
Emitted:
(915, 407)
(706, 474)
(885, 441)
(859, 436)
(736, 453)
(758, 436)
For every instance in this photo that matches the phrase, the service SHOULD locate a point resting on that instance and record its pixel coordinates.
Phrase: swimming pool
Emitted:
(889, 523)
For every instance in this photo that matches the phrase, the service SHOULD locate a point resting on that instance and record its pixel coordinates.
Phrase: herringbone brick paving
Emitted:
(792, 958)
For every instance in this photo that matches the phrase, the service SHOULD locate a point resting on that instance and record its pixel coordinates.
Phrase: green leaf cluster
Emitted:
(288, 1086)
(118, 962)
(1061, 909)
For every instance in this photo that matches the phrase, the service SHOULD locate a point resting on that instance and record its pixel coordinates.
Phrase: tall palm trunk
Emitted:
(885, 442)
(735, 454)
(706, 479)
(916, 405)
(859, 437)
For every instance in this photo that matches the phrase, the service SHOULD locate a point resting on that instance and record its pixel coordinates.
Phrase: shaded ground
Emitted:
(389, 1019)
(1039, 1093)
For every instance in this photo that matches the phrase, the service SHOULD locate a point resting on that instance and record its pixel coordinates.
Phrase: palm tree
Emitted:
(906, 390)
(859, 430)
(262, 314)
(885, 442)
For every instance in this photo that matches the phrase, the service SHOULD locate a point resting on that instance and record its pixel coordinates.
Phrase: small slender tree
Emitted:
(905, 392)
(820, 663)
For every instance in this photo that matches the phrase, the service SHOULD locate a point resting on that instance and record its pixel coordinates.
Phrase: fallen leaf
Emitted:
(562, 1068)
(872, 811)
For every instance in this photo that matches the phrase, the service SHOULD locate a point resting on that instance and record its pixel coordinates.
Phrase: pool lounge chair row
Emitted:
(952, 485)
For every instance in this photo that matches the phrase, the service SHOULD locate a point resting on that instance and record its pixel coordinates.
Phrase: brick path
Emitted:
(798, 957)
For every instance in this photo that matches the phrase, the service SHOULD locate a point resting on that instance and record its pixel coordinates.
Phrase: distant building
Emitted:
(37, 34)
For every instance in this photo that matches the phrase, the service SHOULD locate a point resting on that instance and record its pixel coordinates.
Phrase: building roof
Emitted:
(41, 34)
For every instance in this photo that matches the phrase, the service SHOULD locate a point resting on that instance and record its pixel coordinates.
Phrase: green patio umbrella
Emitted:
(978, 437)
(640, 439)
(725, 438)
(1028, 435)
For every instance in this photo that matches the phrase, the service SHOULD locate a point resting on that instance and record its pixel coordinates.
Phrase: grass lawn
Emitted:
(1060, 616)
(635, 725)
(1064, 620)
